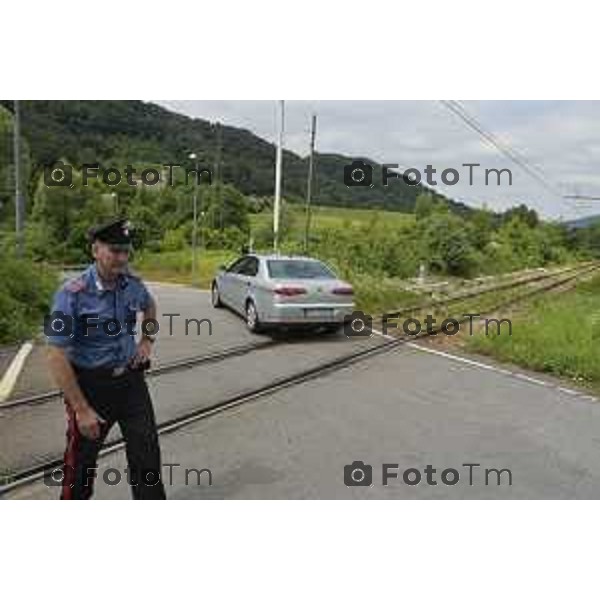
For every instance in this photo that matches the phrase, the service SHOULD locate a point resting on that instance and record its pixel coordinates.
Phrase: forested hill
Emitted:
(120, 132)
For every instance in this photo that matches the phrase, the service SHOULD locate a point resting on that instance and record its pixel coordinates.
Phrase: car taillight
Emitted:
(289, 290)
(343, 291)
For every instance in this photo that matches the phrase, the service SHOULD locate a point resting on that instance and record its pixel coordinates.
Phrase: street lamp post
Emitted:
(202, 215)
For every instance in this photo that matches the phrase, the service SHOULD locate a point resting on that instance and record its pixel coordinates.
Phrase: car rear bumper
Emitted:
(306, 314)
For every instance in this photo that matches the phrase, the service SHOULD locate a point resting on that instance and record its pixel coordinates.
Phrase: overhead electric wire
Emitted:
(581, 197)
(534, 172)
(510, 149)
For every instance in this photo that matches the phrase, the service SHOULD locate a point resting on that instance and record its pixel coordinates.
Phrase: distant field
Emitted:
(330, 217)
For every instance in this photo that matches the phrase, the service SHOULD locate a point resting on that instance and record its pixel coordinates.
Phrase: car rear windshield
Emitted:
(298, 269)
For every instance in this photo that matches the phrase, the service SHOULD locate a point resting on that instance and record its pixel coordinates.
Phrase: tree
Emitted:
(524, 214)
(423, 206)
(482, 221)
(224, 206)
(447, 245)
(62, 215)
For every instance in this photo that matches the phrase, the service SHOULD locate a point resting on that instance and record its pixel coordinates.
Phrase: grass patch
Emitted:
(376, 295)
(559, 335)
(326, 217)
(176, 266)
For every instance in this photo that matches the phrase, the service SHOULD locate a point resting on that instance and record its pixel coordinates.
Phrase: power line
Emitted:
(581, 197)
(534, 172)
(510, 149)
(503, 148)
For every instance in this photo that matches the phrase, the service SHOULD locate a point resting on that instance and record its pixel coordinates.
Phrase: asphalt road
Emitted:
(34, 434)
(408, 408)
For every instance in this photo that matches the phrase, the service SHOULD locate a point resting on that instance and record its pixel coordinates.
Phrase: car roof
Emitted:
(283, 257)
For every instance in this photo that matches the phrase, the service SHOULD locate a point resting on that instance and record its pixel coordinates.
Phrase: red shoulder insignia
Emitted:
(75, 285)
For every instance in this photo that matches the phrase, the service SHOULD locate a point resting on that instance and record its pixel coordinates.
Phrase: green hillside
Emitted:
(116, 133)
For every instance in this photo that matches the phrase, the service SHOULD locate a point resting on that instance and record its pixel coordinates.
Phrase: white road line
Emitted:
(495, 369)
(568, 391)
(472, 363)
(385, 335)
(523, 377)
(12, 373)
(533, 380)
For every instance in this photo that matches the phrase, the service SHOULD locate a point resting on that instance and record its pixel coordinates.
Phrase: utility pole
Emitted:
(219, 141)
(277, 204)
(19, 206)
(313, 131)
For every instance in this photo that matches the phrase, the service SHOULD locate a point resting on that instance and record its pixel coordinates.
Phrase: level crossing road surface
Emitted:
(408, 408)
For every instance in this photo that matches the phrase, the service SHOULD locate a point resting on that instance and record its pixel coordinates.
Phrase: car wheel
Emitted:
(252, 321)
(215, 296)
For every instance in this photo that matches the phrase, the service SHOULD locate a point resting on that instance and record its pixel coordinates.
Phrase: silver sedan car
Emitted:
(273, 290)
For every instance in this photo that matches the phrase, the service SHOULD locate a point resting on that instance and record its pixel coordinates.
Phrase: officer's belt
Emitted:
(102, 372)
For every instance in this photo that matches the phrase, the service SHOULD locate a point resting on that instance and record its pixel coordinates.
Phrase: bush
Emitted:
(25, 297)
(174, 239)
(13, 326)
(230, 238)
(448, 245)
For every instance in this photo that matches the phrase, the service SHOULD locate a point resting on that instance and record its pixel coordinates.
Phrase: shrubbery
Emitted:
(25, 297)
(444, 242)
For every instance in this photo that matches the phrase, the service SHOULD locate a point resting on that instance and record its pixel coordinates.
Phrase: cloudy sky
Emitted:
(560, 139)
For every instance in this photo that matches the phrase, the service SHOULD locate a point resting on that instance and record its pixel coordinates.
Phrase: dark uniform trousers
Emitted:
(124, 400)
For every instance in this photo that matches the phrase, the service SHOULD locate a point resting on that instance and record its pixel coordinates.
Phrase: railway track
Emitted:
(480, 291)
(36, 472)
(53, 395)
(185, 363)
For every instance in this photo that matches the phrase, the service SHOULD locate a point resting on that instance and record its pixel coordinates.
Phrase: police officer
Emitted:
(99, 365)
